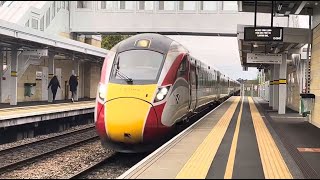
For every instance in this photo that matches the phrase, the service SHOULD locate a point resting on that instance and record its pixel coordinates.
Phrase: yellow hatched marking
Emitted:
(274, 166)
(199, 163)
(232, 154)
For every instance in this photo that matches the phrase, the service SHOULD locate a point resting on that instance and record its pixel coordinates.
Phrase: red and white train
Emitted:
(149, 83)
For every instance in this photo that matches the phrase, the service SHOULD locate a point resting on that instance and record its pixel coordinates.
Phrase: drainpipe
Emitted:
(308, 50)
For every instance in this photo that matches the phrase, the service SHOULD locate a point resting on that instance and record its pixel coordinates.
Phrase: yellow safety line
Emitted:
(274, 166)
(199, 163)
(42, 109)
(232, 155)
(47, 105)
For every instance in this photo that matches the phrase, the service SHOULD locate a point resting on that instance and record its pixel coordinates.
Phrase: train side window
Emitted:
(182, 70)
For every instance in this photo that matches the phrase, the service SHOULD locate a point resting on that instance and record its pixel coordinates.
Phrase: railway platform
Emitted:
(30, 112)
(241, 138)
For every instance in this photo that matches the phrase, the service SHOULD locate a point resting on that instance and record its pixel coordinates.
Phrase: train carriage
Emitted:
(148, 84)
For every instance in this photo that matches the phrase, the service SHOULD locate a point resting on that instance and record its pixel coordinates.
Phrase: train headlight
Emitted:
(162, 93)
(102, 91)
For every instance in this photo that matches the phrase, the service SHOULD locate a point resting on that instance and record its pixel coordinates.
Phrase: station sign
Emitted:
(38, 75)
(260, 58)
(35, 52)
(263, 34)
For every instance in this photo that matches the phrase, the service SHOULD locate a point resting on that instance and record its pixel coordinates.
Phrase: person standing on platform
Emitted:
(73, 83)
(54, 83)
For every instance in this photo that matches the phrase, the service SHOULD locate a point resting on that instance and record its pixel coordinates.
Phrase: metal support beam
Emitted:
(308, 49)
(276, 87)
(301, 6)
(14, 77)
(271, 87)
(283, 85)
(76, 66)
(50, 74)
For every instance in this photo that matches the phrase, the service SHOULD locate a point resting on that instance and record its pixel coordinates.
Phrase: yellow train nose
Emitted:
(125, 119)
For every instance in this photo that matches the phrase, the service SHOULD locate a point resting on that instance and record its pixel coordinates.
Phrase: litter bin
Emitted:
(29, 89)
(306, 104)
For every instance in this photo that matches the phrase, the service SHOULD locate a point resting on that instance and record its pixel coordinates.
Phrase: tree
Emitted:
(108, 41)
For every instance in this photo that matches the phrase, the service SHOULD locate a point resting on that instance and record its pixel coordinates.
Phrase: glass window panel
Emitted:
(126, 5)
(80, 4)
(230, 6)
(53, 9)
(63, 5)
(48, 17)
(67, 5)
(106, 5)
(34, 24)
(145, 5)
(208, 5)
(42, 23)
(166, 5)
(122, 5)
(187, 5)
(27, 24)
(141, 5)
(103, 4)
(136, 64)
(58, 6)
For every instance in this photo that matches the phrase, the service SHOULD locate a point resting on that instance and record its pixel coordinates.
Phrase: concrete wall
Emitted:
(315, 75)
(93, 42)
(29, 76)
(94, 79)
(67, 67)
(91, 80)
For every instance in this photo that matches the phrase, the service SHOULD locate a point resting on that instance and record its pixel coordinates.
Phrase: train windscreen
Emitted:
(137, 66)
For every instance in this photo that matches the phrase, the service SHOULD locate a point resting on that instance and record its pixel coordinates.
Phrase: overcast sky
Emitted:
(220, 52)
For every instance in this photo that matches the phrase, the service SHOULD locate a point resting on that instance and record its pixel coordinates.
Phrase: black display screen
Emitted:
(263, 34)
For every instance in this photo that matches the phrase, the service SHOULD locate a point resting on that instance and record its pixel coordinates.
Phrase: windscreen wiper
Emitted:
(123, 76)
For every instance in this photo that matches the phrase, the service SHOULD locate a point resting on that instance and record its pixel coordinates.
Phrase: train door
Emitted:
(193, 85)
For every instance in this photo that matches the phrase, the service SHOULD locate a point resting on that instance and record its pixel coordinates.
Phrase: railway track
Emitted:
(14, 157)
(110, 167)
(117, 163)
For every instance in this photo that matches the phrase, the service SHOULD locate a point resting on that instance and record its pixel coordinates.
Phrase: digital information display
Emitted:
(263, 34)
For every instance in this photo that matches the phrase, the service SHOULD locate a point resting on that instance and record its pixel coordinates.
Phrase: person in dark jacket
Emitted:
(54, 83)
(73, 83)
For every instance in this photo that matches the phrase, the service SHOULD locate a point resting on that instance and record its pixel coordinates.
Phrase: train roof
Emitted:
(155, 42)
